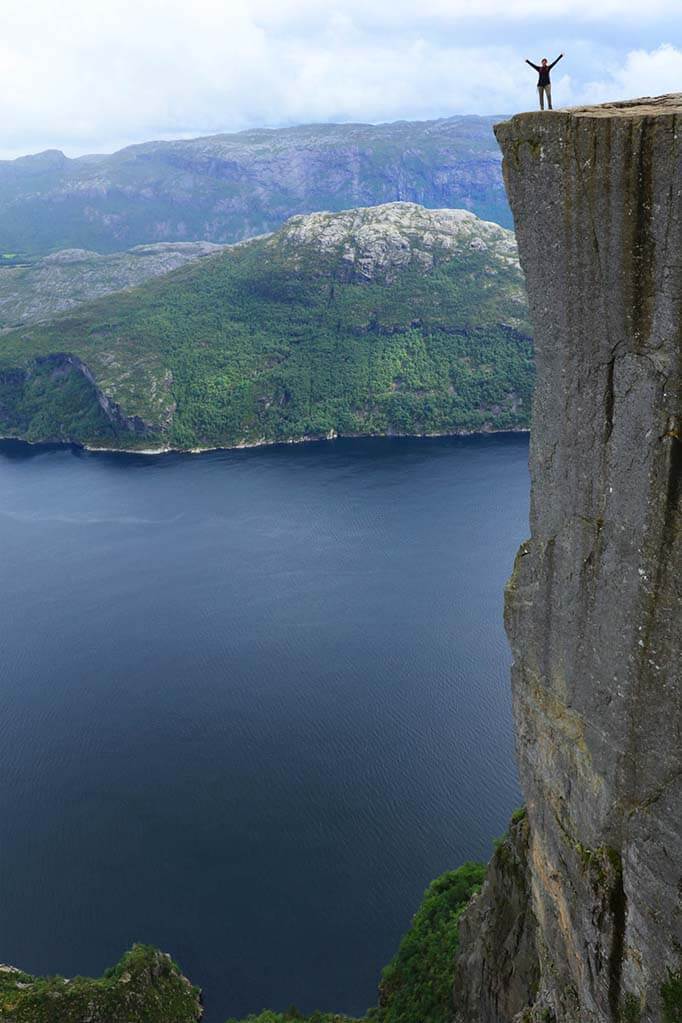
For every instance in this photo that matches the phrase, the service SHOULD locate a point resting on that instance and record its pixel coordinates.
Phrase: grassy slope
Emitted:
(253, 346)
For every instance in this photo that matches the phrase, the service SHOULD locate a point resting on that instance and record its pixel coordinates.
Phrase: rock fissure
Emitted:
(618, 911)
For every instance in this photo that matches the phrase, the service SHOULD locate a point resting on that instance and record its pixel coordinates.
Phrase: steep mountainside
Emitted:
(594, 608)
(228, 187)
(393, 319)
(41, 288)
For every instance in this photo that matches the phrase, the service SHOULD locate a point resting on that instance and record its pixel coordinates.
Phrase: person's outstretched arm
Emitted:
(557, 60)
(535, 65)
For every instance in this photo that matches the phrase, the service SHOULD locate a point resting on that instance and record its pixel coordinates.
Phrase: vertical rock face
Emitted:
(594, 608)
(497, 972)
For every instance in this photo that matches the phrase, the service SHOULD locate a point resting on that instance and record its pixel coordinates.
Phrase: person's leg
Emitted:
(541, 94)
(548, 90)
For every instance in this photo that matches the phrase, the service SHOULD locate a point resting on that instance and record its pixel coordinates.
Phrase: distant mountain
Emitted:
(41, 288)
(224, 188)
(392, 319)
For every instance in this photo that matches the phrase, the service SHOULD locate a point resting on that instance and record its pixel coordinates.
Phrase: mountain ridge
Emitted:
(227, 187)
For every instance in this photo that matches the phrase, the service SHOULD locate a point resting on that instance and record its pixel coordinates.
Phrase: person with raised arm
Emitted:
(544, 84)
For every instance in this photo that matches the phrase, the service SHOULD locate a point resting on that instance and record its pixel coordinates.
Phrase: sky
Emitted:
(90, 76)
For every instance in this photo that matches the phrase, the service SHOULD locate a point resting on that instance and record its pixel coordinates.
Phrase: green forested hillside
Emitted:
(393, 319)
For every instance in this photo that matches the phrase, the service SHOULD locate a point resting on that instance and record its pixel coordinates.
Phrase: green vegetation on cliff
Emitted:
(389, 320)
(146, 986)
(416, 986)
(292, 1015)
(671, 994)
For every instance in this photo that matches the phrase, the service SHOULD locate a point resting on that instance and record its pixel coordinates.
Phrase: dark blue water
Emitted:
(252, 703)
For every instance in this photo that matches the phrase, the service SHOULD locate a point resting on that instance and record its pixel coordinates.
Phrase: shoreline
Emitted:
(246, 445)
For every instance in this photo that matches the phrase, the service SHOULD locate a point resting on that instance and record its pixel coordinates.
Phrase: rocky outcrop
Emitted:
(378, 242)
(60, 364)
(594, 608)
(55, 395)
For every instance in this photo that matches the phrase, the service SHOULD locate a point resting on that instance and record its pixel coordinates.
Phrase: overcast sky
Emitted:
(94, 75)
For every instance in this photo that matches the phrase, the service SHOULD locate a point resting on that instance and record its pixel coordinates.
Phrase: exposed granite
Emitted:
(378, 242)
(594, 608)
(497, 972)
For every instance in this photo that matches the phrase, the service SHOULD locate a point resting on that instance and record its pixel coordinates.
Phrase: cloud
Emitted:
(90, 75)
(643, 74)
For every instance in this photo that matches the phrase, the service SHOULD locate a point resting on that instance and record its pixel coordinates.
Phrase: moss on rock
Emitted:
(671, 995)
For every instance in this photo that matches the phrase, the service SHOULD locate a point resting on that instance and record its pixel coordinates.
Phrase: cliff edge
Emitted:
(594, 607)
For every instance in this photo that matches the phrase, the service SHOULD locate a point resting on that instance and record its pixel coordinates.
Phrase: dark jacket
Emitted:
(544, 71)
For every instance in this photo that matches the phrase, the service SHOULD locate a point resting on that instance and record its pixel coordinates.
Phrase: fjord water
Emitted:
(252, 703)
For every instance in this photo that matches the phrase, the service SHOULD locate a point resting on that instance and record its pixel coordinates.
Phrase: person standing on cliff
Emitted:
(544, 84)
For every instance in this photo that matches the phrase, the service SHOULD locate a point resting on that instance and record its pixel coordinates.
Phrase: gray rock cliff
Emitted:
(497, 972)
(594, 607)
